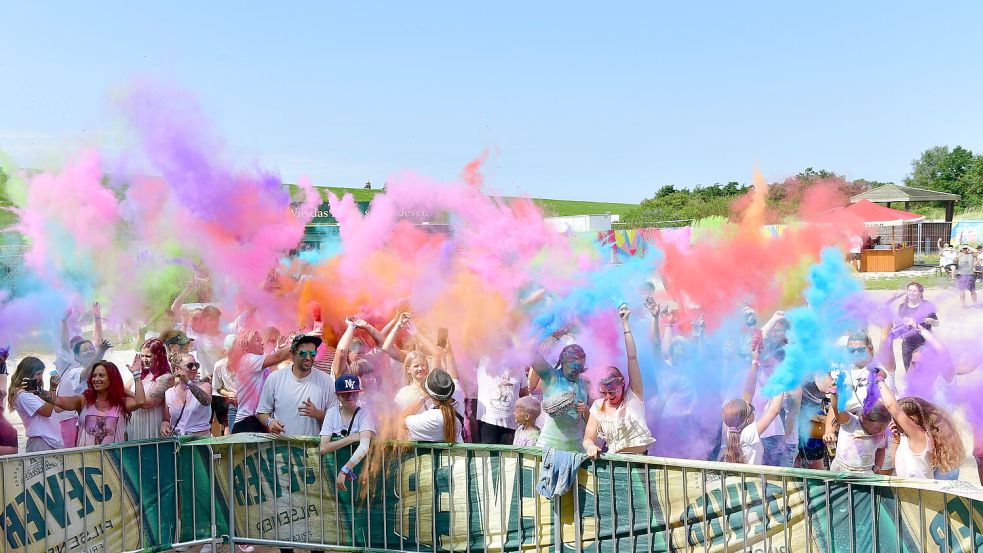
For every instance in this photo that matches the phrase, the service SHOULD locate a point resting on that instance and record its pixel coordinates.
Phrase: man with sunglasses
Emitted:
(293, 402)
(860, 352)
(189, 411)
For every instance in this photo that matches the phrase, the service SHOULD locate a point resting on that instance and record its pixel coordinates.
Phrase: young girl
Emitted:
(927, 438)
(442, 423)
(743, 430)
(350, 423)
(42, 430)
(861, 441)
(527, 410)
(618, 417)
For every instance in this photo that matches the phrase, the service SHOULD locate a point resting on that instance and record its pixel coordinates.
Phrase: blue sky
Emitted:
(599, 101)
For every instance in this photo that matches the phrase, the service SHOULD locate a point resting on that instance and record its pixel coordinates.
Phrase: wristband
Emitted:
(349, 473)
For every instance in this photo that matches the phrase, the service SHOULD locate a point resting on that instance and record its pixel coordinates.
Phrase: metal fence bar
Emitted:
(442, 476)
(631, 507)
(873, 519)
(744, 509)
(577, 529)
(849, 512)
(706, 521)
(808, 517)
(945, 519)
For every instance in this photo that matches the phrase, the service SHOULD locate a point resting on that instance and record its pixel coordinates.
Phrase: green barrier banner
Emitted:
(484, 499)
(89, 500)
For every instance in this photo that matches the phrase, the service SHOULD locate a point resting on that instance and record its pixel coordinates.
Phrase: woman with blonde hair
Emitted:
(926, 436)
(443, 423)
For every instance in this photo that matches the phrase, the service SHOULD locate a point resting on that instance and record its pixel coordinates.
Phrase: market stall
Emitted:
(894, 255)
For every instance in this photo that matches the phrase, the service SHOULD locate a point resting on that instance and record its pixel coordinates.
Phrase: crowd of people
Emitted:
(402, 382)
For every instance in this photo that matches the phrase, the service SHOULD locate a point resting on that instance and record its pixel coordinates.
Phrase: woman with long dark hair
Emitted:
(42, 430)
(104, 407)
(156, 379)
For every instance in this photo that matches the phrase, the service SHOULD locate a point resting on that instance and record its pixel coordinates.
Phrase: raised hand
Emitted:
(624, 312)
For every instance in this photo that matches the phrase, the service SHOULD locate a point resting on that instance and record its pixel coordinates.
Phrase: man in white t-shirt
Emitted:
(294, 400)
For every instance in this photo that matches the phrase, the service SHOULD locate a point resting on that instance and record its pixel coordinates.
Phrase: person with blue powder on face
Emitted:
(564, 399)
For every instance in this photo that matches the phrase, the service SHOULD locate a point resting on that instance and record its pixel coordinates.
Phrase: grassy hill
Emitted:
(550, 207)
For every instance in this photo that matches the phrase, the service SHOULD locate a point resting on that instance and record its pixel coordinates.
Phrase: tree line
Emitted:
(955, 170)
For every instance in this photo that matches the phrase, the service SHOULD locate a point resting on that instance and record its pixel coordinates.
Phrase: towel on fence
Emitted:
(559, 472)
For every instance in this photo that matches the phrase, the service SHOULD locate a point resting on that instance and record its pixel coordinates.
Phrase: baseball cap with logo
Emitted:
(347, 384)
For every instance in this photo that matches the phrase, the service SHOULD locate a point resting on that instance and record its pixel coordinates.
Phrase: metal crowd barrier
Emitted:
(123, 497)
(471, 498)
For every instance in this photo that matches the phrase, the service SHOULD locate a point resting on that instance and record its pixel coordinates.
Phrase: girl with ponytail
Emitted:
(742, 429)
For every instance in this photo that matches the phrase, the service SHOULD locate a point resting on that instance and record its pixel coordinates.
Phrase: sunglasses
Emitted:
(307, 353)
(190, 366)
(857, 350)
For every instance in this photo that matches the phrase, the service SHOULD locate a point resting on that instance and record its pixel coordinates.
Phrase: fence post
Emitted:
(919, 240)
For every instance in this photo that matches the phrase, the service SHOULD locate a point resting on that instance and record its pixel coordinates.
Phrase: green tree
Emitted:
(940, 168)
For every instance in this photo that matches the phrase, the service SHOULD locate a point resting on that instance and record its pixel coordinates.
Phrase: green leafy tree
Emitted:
(940, 168)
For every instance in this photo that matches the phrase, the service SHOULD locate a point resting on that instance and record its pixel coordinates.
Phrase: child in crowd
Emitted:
(744, 430)
(527, 410)
(862, 440)
(926, 437)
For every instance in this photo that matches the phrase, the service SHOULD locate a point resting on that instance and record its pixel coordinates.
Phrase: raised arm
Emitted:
(450, 362)
(779, 315)
(175, 309)
(389, 326)
(533, 298)
(389, 345)
(101, 350)
(885, 354)
(281, 354)
(751, 382)
(64, 331)
(339, 365)
(97, 323)
(915, 434)
(371, 330)
(634, 371)
(137, 401)
(774, 407)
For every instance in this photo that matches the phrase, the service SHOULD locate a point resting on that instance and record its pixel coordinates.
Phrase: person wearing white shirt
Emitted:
(250, 368)
(42, 430)
(349, 423)
(188, 410)
(294, 401)
(442, 423)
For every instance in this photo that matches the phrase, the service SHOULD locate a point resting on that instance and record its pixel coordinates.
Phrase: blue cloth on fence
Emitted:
(559, 472)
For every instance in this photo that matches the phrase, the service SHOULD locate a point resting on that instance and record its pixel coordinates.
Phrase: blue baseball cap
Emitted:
(347, 384)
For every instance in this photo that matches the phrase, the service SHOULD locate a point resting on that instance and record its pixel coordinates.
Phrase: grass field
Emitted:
(556, 208)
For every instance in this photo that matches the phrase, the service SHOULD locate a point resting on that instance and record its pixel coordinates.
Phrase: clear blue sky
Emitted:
(602, 101)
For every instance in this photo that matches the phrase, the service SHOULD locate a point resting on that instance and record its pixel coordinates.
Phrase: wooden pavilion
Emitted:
(894, 193)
